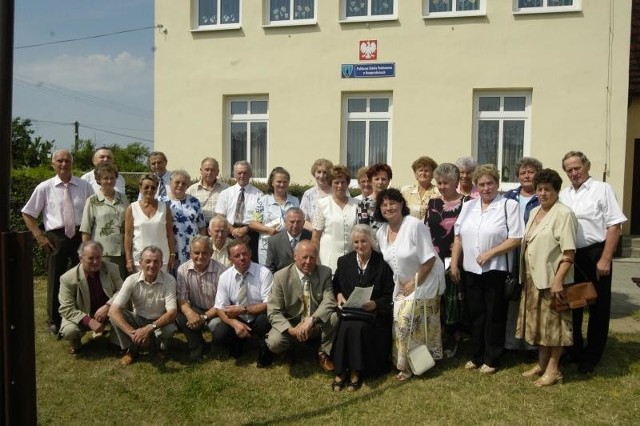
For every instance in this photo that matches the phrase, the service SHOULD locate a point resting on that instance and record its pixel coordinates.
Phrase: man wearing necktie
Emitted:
(301, 307)
(237, 204)
(281, 246)
(60, 200)
(158, 165)
(241, 299)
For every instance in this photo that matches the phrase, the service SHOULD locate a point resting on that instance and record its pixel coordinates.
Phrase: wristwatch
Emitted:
(204, 317)
(315, 321)
(154, 326)
(246, 310)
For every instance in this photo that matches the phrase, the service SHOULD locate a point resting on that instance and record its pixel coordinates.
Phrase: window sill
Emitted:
(465, 14)
(540, 10)
(290, 23)
(216, 28)
(368, 19)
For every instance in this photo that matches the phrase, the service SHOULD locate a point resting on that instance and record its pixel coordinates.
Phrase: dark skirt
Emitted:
(363, 347)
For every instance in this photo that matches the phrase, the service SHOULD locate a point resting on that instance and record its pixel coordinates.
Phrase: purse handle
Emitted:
(575, 266)
(413, 314)
(506, 222)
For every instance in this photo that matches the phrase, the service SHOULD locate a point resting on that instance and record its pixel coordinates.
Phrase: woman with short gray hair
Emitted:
(467, 167)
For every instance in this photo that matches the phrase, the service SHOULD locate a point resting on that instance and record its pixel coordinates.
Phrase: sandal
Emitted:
(354, 386)
(403, 376)
(337, 386)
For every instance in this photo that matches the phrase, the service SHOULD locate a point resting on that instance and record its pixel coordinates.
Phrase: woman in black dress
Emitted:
(362, 346)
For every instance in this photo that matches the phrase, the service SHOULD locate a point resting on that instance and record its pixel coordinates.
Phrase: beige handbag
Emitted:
(420, 359)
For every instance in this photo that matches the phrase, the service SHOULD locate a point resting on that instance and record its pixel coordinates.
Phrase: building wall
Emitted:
(566, 60)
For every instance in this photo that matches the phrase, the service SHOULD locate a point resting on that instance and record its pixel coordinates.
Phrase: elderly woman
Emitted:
(467, 167)
(525, 195)
(103, 216)
(487, 231)
(441, 215)
(379, 175)
(148, 222)
(548, 250)
(405, 243)
(334, 218)
(320, 170)
(361, 348)
(268, 217)
(188, 219)
(418, 195)
(363, 183)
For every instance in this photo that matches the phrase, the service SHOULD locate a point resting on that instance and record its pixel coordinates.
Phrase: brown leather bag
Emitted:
(577, 295)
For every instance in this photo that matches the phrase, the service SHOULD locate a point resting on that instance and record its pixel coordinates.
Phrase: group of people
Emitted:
(368, 278)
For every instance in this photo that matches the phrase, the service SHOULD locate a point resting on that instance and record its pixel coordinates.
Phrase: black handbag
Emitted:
(356, 314)
(512, 286)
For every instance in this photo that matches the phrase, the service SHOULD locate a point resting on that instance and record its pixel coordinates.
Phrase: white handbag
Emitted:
(420, 359)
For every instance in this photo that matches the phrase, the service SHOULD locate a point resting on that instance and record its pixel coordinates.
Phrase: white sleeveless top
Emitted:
(150, 231)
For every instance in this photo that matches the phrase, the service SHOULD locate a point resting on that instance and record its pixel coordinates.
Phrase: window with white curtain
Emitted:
(289, 12)
(501, 130)
(215, 14)
(366, 130)
(546, 6)
(368, 10)
(249, 132)
(453, 8)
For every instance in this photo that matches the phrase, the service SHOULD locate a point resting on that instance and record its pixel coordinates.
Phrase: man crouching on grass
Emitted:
(152, 293)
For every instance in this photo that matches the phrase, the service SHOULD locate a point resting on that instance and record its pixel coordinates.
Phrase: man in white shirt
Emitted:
(219, 233)
(152, 293)
(241, 300)
(158, 165)
(103, 155)
(238, 203)
(599, 225)
(208, 189)
(61, 201)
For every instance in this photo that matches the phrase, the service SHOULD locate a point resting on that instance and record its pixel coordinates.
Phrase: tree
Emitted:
(27, 151)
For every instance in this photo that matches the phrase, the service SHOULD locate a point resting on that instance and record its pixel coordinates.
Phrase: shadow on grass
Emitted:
(621, 307)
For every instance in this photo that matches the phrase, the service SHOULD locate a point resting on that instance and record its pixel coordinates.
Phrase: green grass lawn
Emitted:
(94, 389)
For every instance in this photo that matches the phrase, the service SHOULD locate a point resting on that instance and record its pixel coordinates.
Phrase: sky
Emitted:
(105, 84)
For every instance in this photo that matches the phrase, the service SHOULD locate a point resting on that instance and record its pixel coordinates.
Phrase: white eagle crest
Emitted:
(368, 48)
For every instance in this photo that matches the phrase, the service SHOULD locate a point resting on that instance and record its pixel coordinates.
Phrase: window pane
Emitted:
(259, 149)
(280, 10)
(382, 7)
(357, 105)
(259, 107)
(439, 6)
(378, 136)
(559, 2)
(379, 104)
(356, 7)
(230, 13)
(355, 145)
(489, 103)
(238, 107)
(238, 142)
(207, 14)
(468, 5)
(529, 3)
(488, 141)
(514, 103)
(512, 145)
(303, 9)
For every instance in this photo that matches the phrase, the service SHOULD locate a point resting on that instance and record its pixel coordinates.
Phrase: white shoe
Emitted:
(470, 365)
(485, 369)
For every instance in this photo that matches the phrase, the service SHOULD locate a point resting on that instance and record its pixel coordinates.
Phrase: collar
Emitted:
(250, 271)
(586, 184)
(302, 274)
(159, 278)
(57, 181)
(192, 267)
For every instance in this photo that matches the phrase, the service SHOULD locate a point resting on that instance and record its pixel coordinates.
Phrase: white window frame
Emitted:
(247, 118)
(427, 14)
(196, 27)
(503, 116)
(545, 8)
(267, 22)
(369, 17)
(368, 117)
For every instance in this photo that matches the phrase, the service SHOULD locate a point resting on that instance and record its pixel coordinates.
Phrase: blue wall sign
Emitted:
(368, 70)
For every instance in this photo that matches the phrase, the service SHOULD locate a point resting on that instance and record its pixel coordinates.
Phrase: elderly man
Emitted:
(86, 293)
(219, 233)
(152, 293)
(60, 200)
(281, 245)
(599, 224)
(208, 189)
(103, 155)
(238, 202)
(197, 285)
(158, 165)
(301, 307)
(242, 300)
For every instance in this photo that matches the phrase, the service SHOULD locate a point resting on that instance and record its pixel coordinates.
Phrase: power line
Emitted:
(95, 127)
(85, 38)
(118, 134)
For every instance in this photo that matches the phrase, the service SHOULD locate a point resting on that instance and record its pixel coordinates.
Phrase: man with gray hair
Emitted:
(208, 189)
(219, 233)
(281, 245)
(196, 292)
(86, 293)
(152, 293)
(103, 155)
(60, 200)
(237, 204)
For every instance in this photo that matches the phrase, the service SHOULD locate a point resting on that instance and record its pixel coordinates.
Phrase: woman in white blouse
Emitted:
(405, 243)
(486, 232)
(320, 170)
(334, 218)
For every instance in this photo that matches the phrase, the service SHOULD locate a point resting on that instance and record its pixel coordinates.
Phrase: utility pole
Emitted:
(76, 134)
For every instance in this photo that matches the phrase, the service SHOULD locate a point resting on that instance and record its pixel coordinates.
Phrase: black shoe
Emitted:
(235, 351)
(54, 329)
(265, 357)
(586, 367)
